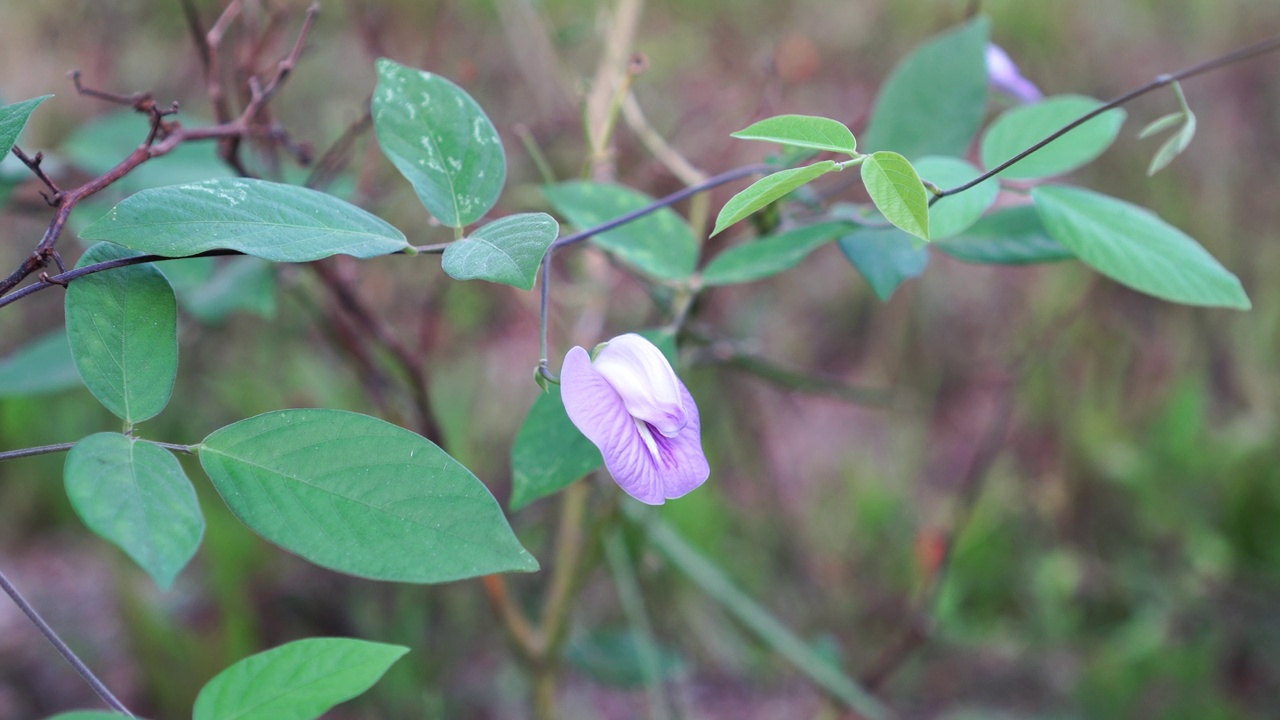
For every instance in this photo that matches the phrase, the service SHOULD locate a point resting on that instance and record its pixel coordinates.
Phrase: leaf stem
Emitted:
(62, 648)
(42, 450)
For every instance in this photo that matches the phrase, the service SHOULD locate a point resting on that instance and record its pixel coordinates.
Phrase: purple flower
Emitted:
(1004, 76)
(630, 403)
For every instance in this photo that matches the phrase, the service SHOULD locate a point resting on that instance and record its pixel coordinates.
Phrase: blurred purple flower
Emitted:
(1004, 76)
(630, 403)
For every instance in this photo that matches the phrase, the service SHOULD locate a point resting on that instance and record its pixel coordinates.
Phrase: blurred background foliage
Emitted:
(1117, 557)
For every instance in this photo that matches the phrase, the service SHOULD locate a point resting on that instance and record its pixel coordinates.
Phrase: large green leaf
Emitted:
(954, 213)
(803, 131)
(440, 140)
(660, 244)
(935, 100)
(549, 452)
(1025, 125)
(896, 190)
(885, 257)
(1013, 236)
(13, 118)
(99, 145)
(767, 189)
(282, 223)
(1134, 247)
(361, 496)
(508, 250)
(123, 328)
(136, 495)
(300, 680)
(43, 365)
(769, 256)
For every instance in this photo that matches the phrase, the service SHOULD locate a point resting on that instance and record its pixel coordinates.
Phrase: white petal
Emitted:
(642, 377)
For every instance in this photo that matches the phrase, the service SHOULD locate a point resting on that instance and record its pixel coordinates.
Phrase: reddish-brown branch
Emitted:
(33, 164)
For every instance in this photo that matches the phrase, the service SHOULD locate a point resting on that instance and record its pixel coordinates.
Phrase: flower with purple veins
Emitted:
(1004, 76)
(629, 402)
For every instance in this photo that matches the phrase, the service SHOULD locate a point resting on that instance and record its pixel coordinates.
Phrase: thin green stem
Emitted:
(83, 670)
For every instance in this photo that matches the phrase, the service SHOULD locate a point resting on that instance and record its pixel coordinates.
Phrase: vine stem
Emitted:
(1249, 51)
(61, 647)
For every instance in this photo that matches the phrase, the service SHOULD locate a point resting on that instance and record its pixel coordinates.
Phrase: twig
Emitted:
(42, 450)
(1235, 56)
(62, 648)
(33, 164)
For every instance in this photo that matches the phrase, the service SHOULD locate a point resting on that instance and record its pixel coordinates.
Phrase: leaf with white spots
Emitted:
(439, 138)
(281, 223)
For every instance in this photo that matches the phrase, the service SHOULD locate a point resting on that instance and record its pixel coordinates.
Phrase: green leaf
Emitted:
(282, 223)
(766, 190)
(885, 257)
(300, 680)
(13, 118)
(953, 214)
(508, 250)
(440, 140)
(211, 289)
(803, 131)
(1174, 145)
(936, 99)
(712, 581)
(1161, 124)
(613, 657)
(769, 256)
(99, 145)
(136, 496)
(1134, 247)
(43, 365)
(360, 496)
(549, 452)
(896, 190)
(660, 244)
(1025, 125)
(123, 328)
(1014, 236)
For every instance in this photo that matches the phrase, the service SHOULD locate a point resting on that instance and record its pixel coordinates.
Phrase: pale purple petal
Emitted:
(643, 378)
(1003, 75)
(649, 466)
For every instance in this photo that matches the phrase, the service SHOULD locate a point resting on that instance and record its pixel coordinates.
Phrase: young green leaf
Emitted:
(934, 101)
(361, 496)
(1025, 125)
(136, 496)
(507, 250)
(1161, 124)
(123, 329)
(1173, 145)
(281, 223)
(1013, 236)
(885, 257)
(1134, 247)
(660, 244)
(803, 131)
(13, 118)
(896, 190)
(440, 140)
(43, 365)
(954, 213)
(549, 452)
(766, 190)
(771, 255)
(300, 680)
